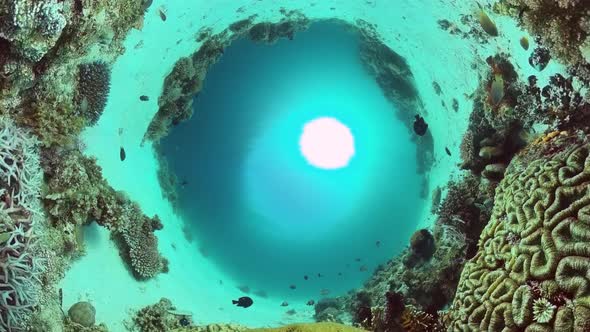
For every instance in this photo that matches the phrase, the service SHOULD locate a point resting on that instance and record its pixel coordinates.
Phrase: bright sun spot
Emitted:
(327, 143)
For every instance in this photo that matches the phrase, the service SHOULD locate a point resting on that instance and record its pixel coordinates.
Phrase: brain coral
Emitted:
(536, 247)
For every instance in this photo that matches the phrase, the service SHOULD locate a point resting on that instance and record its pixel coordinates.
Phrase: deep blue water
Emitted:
(257, 208)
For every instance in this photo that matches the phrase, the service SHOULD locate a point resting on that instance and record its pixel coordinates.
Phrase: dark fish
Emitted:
(447, 151)
(378, 244)
(319, 275)
(305, 277)
(61, 297)
(122, 154)
(324, 292)
(162, 14)
(292, 286)
(291, 312)
(184, 321)
(357, 259)
(340, 273)
(310, 302)
(284, 304)
(363, 268)
(243, 302)
(144, 98)
(420, 125)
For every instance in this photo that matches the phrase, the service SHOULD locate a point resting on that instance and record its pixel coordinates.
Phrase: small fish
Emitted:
(144, 98)
(61, 297)
(363, 268)
(310, 302)
(220, 282)
(162, 14)
(244, 289)
(524, 42)
(319, 275)
(486, 23)
(122, 154)
(340, 274)
(447, 151)
(291, 312)
(292, 286)
(497, 90)
(184, 321)
(420, 126)
(324, 292)
(183, 183)
(305, 277)
(243, 302)
(357, 259)
(378, 244)
(284, 304)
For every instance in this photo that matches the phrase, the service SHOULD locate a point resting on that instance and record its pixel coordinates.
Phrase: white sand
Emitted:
(192, 283)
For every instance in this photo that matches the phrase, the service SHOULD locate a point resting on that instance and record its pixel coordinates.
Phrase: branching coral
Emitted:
(20, 220)
(544, 201)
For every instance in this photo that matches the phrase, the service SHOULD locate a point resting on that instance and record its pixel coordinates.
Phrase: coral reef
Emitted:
(534, 246)
(94, 80)
(213, 328)
(497, 130)
(163, 317)
(41, 42)
(186, 79)
(21, 222)
(561, 26)
(77, 193)
(330, 310)
(312, 327)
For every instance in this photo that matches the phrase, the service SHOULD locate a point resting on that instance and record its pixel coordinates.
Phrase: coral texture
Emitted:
(163, 317)
(94, 82)
(77, 193)
(21, 218)
(534, 247)
(562, 26)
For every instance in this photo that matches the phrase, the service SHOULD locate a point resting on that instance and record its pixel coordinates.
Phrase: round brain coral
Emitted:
(536, 247)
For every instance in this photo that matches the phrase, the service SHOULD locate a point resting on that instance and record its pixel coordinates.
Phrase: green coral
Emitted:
(535, 246)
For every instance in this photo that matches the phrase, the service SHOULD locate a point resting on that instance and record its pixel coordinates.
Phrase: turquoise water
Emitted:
(256, 206)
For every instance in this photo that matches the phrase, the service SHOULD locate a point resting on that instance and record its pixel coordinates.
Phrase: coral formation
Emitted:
(82, 313)
(561, 26)
(163, 317)
(94, 80)
(21, 221)
(186, 79)
(312, 327)
(329, 310)
(534, 246)
(77, 193)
